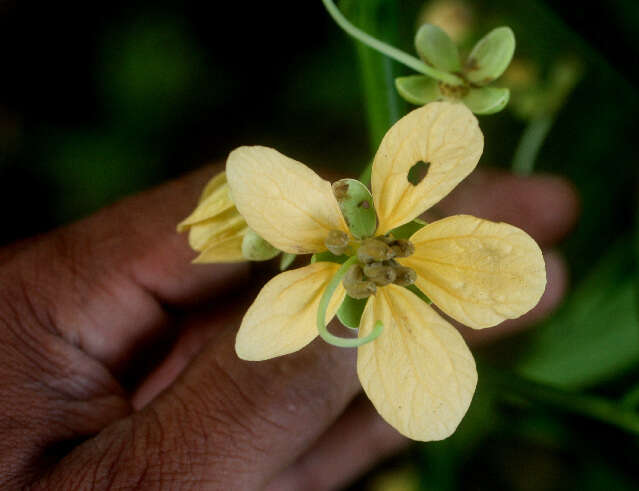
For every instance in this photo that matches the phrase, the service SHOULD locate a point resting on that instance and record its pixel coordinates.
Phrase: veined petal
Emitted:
(228, 250)
(284, 201)
(283, 317)
(209, 232)
(477, 271)
(419, 373)
(214, 200)
(444, 135)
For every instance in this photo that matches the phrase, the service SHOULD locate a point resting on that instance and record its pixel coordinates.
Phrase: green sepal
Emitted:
(286, 260)
(486, 100)
(255, 248)
(418, 89)
(328, 257)
(350, 312)
(491, 56)
(356, 203)
(419, 293)
(407, 230)
(435, 48)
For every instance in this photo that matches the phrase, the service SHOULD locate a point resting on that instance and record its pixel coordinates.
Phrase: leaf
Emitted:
(595, 335)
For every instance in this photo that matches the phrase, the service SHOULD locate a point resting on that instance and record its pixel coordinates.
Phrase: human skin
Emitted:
(117, 361)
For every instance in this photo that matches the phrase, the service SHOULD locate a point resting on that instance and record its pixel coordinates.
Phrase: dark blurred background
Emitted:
(102, 99)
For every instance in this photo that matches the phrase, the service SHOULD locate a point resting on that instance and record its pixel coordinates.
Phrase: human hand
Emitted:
(118, 363)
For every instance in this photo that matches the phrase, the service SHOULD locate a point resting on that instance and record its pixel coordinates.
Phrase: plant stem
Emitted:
(390, 51)
(586, 405)
(323, 307)
(530, 144)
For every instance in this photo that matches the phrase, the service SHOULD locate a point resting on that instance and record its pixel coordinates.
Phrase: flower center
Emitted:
(453, 91)
(376, 264)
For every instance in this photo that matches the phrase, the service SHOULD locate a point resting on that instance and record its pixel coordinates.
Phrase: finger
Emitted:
(104, 282)
(556, 286)
(226, 423)
(357, 441)
(544, 206)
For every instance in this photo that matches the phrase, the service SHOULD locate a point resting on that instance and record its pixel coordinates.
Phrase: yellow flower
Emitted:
(215, 227)
(418, 373)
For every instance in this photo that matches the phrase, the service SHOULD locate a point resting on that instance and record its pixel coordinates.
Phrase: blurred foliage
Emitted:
(101, 101)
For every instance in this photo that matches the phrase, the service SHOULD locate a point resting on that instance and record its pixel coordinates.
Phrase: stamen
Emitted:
(374, 250)
(405, 276)
(337, 242)
(382, 274)
(323, 306)
(356, 285)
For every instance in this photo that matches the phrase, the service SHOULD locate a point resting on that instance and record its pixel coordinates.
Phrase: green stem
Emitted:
(529, 145)
(593, 407)
(323, 307)
(388, 50)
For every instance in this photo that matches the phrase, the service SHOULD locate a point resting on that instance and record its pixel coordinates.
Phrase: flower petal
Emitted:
(478, 272)
(284, 201)
(283, 317)
(443, 134)
(214, 200)
(228, 250)
(223, 226)
(419, 373)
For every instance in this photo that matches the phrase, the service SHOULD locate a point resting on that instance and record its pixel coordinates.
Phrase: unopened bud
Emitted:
(373, 250)
(380, 273)
(336, 242)
(404, 276)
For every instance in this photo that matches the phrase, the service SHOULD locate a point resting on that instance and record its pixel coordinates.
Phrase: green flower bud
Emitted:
(255, 248)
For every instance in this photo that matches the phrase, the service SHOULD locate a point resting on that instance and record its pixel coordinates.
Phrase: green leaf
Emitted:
(418, 89)
(356, 203)
(350, 312)
(486, 100)
(286, 260)
(408, 229)
(491, 56)
(595, 336)
(435, 48)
